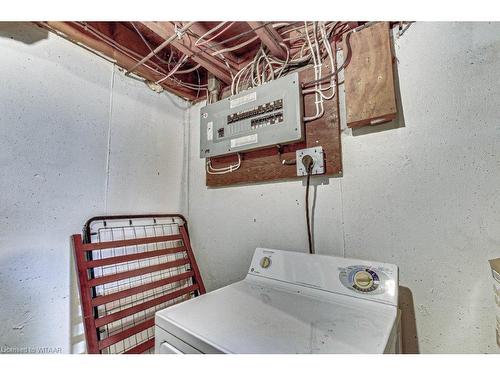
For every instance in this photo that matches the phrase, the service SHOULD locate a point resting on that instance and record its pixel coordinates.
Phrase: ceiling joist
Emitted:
(230, 57)
(122, 59)
(180, 56)
(270, 38)
(186, 45)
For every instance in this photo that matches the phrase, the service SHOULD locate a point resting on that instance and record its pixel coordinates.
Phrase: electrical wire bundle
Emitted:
(304, 43)
(312, 43)
(265, 67)
(230, 168)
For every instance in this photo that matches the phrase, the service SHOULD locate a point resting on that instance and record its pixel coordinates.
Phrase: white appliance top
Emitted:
(293, 303)
(357, 278)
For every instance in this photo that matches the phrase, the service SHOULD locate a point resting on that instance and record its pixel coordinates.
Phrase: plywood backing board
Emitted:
(369, 81)
(266, 164)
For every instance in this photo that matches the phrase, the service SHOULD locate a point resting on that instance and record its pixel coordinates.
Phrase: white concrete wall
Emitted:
(425, 195)
(77, 139)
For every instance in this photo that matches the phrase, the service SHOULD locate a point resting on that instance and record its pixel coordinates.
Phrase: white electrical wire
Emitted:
(317, 74)
(237, 75)
(199, 42)
(236, 47)
(271, 70)
(315, 48)
(319, 90)
(174, 69)
(280, 70)
(188, 70)
(307, 42)
(229, 169)
(329, 51)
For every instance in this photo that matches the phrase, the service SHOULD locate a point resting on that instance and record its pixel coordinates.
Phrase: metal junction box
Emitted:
(263, 116)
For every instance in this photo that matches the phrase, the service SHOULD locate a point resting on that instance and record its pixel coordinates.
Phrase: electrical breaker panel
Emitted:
(267, 115)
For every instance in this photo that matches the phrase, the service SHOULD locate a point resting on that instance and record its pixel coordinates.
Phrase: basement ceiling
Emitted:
(182, 56)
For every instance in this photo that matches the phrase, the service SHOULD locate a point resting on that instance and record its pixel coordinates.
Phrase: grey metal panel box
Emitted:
(260, 117)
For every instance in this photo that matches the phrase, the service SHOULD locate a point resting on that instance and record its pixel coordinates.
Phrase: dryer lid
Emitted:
(258, 316)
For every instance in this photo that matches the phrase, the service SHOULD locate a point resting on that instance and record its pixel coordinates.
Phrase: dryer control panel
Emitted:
(353, 277)
(365, 279)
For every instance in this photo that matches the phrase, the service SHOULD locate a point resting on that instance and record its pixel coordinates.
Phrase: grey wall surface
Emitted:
(422, 192)
(77, 139)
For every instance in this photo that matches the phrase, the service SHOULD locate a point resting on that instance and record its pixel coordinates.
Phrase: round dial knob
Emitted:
(265, 262)
(363, 280)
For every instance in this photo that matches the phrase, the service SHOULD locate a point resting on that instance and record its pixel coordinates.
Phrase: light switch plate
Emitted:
(319, 160)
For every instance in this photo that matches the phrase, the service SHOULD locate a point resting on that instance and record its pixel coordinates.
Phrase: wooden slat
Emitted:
(141, 348)
(137, 272)
(126, 333)
(85, 296)
(270, 38)
(139, 289)
(143, 306)
(369, 82)
(187, 47)
(130, 242)
(132, 257)
(194, 265)
(86, 286)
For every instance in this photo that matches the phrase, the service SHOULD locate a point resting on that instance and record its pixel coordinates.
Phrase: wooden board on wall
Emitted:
(369, 81)
(266, 164)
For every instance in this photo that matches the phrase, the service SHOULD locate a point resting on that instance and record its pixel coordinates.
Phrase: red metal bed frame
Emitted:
(123, 282)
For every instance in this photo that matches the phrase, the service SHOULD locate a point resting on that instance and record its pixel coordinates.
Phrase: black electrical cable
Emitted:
(309, 237)
(308, 162)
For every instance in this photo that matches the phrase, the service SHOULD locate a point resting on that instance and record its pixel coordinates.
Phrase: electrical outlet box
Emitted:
(318, 157)
(260, 117)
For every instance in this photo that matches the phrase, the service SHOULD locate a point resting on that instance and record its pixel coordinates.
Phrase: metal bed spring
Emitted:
(129, 267)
